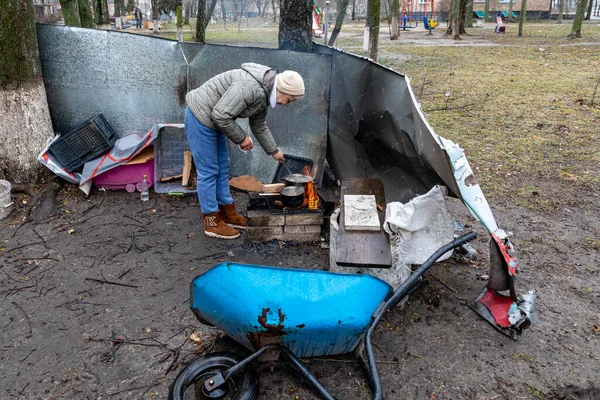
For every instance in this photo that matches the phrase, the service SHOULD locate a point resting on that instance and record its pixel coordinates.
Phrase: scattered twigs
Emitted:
(123, 274)
(41, 238)
(22, 246)
(135, 342)
(104, 281)
(442, 282)
(26, 318)
(27, 356)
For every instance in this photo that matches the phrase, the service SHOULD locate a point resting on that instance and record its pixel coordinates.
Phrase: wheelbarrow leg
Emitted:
(219, 379)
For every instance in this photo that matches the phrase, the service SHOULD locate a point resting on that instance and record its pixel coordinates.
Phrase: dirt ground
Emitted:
(68, 334)
(58, 318)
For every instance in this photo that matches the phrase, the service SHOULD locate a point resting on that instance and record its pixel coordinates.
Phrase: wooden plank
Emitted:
(187, 167)
(362, 248)
(273, 187)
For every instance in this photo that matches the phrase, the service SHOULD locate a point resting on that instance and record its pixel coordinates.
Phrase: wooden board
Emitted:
(362, 248)
(246, 183)
(187, 167)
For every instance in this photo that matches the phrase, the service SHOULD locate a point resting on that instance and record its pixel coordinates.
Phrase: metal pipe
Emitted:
(398, 295)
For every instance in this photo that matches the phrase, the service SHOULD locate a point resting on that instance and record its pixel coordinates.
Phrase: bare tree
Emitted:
(179, 16)
(469, 19)
(486, 13)
(70, 11)
(374, 15)
(353, 10)
(101, 13)
(522, 16)
(85, 14)
(454, 20)
(342, 6)
(209, 12)
(201, 22)
(224, 13)
(395, 7)
(462, 16)
(576, 27)
(295, 28)
(274, 4)
(25, 118)
(561, 10)
(588, 15)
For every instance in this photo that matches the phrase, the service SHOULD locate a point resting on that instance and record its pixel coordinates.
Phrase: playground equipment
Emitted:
(317, 18)
(412, 12)
(500, 28)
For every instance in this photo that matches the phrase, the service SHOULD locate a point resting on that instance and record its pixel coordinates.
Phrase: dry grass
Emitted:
(524, 109)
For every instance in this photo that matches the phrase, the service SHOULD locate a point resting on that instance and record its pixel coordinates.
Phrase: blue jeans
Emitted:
(209, 149)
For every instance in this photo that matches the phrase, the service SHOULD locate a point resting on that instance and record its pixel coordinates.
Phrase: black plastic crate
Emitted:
(84, 143)
(295, 164)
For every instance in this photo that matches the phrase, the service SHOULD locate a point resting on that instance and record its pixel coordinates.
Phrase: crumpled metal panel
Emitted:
(375, 132)
(139, 81)
(300, 129)
(378, 130)
(133, 80)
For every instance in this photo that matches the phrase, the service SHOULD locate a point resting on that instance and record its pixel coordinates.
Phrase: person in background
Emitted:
(209, 121)
(138, 17)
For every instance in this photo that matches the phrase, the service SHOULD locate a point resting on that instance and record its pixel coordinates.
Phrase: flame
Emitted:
(312, 196)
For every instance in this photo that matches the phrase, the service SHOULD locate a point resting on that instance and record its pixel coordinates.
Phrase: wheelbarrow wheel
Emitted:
(189, 384)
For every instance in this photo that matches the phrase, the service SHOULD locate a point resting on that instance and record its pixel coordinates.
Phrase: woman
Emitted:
(210, 120)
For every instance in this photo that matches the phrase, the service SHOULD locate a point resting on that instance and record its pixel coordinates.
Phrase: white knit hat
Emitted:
(290, 82)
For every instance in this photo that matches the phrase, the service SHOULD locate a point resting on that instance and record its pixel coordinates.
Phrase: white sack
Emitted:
(418, 228)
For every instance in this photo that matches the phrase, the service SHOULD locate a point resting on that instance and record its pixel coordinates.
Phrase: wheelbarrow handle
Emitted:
(397, 296)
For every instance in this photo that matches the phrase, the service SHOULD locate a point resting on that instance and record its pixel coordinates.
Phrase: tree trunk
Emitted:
(155, 16)
(235, 11)
(200, 22)
(188, 9)
(455, 19)
(522, 16)
(342, 6)
(486, 13)
(101, 14)
(70, 12)
(561, 10)
(85, 14)
(469, 21)
(209, 12)
(353, 10)
(588, 15)
(26, 120)
(178, 12)
(242, 7)
(576, 27)
(374, 12)
(462, 17)
(274, 10)
(510, 10)
(224, 12)
(295, 28)
(395, 14)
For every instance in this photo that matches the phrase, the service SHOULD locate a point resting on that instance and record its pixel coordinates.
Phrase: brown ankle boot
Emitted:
(231, 217)
(215, 227)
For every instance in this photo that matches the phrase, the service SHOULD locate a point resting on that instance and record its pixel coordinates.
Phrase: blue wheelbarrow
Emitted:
(291, 312)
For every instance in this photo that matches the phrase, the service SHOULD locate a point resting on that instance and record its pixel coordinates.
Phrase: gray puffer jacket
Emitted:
(239, 93)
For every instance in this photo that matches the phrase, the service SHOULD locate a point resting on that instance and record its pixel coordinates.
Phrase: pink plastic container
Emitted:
(119, 177)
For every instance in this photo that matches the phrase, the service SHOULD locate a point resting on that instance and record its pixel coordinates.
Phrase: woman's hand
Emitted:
(246, 143)
(279, 157)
